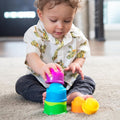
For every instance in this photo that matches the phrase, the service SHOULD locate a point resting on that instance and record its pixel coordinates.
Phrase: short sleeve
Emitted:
(84, 48)
(32, 42)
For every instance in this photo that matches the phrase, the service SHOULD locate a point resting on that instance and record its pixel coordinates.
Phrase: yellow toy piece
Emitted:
(90, 106)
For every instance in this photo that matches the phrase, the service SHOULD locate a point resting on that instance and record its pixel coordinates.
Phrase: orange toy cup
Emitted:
(76, 105)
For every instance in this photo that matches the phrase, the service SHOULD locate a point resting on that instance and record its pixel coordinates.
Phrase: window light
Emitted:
(19, 14)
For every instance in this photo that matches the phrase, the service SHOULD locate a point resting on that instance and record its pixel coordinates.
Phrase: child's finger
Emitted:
(44, 77)
(73, 69)
(48, 73)
(59, 67)
(81, 73)
(66, 69)
(55, 68)
(82, 76)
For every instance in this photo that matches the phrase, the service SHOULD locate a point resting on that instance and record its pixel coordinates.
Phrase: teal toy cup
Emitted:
(56, 93)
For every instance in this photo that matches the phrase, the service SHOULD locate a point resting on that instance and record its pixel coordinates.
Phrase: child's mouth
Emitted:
(58, 33)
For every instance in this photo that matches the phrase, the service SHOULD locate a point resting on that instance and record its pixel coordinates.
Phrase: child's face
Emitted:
(58, 20)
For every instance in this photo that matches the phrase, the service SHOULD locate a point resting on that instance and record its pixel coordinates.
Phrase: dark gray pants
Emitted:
(29, 87)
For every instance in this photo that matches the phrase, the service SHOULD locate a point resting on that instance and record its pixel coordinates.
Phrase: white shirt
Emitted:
(74, 45)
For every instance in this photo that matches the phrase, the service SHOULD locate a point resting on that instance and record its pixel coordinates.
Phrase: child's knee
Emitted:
(90, 82)
(20, 85)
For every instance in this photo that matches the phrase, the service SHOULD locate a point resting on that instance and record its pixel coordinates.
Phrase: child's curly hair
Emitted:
(41, 3)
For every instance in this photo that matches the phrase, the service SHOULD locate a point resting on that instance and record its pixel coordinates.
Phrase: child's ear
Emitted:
(39, 12)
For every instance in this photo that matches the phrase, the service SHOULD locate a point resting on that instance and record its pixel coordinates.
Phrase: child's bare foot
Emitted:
(44, 96)
(75, 94)
(87, 96)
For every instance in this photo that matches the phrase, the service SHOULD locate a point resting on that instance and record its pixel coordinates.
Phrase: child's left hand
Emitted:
(75, 67)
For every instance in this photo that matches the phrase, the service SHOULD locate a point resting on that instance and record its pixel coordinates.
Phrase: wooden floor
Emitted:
(17, 48)
(106, 48)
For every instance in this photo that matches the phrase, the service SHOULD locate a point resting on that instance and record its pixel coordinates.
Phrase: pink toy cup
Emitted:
(57, 77)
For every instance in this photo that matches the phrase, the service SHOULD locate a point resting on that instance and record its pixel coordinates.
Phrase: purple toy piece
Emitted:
(57, 77)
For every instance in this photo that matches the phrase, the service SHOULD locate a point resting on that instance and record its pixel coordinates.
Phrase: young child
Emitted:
(55, 43)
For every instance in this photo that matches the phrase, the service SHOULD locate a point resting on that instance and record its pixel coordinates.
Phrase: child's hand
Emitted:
(45, 69)
(75, 67)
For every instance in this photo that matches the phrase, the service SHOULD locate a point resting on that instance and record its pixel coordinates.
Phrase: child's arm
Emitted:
(76, 66)
(39, 67)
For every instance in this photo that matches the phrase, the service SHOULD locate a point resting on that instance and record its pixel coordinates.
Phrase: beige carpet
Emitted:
(104, 70)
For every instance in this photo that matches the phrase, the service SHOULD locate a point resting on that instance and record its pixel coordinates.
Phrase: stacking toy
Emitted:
(88, 106)
(55, 102)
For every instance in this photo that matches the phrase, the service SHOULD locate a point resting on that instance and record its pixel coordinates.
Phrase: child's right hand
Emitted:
(39, 67)
(45, 69)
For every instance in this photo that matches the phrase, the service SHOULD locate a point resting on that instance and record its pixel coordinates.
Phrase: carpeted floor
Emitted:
(104, 70)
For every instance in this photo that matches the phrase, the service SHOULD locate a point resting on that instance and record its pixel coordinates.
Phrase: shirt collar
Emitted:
(67, 38)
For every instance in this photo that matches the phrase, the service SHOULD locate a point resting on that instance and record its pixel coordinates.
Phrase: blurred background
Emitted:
(98, 19)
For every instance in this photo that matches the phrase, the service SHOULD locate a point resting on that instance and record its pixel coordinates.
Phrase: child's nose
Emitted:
(60, 25)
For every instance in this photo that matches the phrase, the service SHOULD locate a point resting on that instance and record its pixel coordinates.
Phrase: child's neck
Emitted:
(60, 39)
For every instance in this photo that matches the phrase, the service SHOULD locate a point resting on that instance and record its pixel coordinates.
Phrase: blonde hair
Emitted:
(41, 3)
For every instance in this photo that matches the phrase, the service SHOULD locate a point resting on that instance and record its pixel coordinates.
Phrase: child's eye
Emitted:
(67, 21)
(53, 20)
